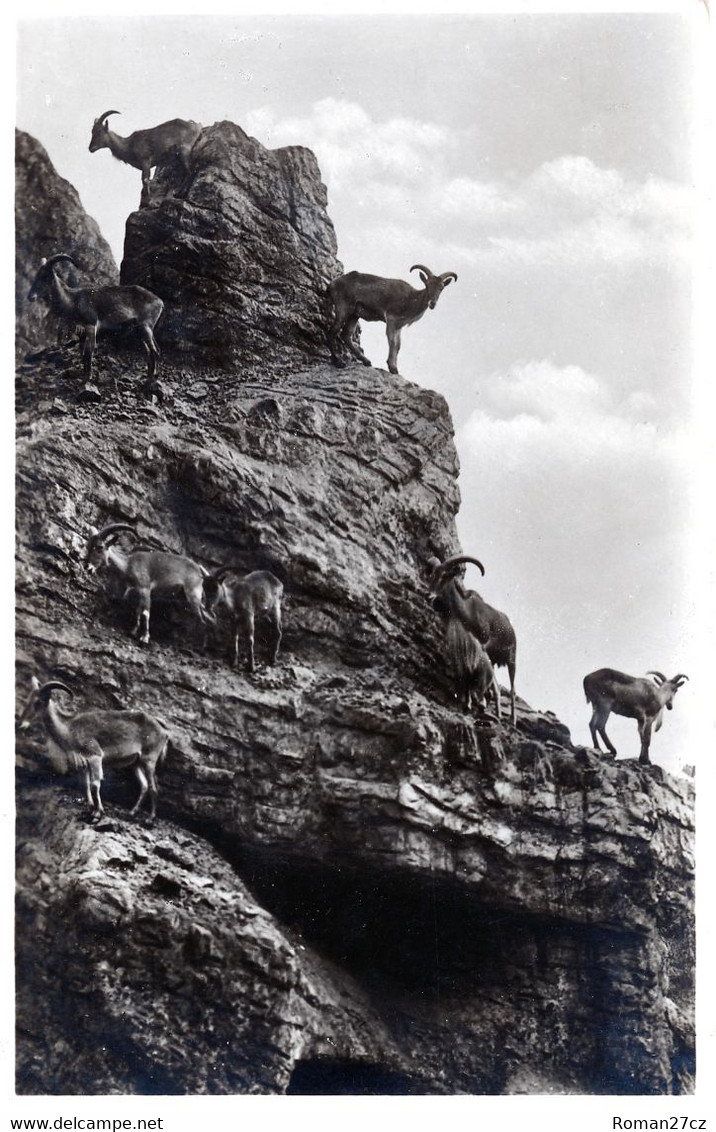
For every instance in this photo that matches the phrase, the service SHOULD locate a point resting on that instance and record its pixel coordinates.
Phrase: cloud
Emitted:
(545, 392)
(347, 141)
(408, 175)
(570, 212)
(571, 400)
(572, 416)
(572, 466)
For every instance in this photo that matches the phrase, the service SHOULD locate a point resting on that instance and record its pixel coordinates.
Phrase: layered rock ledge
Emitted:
(352, 886)
(438, 907)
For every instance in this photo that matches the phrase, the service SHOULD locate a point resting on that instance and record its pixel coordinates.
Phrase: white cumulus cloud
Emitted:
(409, 176)
(347, 142)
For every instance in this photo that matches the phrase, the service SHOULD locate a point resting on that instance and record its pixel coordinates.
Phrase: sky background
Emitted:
(548, 160)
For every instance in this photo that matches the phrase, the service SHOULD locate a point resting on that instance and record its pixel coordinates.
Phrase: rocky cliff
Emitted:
(351, 887)
(242, 257)
(49, 218)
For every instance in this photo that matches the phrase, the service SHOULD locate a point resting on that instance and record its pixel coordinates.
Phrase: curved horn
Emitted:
(457, 560)
(51, 685)
(422, 267)
(448, 275)
(102, 535)
(54, 259)
(680, 678)
(103, 117)
(660, 675)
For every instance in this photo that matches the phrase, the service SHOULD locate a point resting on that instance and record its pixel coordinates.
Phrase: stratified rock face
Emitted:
(350, 887)
(243, 257)
(49, 218)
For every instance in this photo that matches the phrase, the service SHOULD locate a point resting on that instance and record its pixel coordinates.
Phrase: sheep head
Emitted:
(39, 694)
(100, 131)
(99, 543)
(41, 283)
(434, 284)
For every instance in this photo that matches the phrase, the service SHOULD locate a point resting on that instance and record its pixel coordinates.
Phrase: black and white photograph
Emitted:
(359, 677)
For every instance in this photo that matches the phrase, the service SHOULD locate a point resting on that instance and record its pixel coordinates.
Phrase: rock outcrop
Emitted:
(241, 260)
(351, 886)
(49, 218)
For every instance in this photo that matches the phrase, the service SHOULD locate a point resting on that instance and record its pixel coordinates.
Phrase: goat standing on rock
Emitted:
(144, 149)
(93, 309)
(491, 628)
(148, 574)
(245, 598)
(375, 299)
(92, 740)
(633, 696)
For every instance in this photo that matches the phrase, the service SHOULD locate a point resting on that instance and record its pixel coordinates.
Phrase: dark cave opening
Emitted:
(532, 989)
(420, 932)
(445, 966)
(328, 1077)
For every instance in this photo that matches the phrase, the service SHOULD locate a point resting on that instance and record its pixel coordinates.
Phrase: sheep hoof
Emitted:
(89, 394)
(393, 369)
(152, 389)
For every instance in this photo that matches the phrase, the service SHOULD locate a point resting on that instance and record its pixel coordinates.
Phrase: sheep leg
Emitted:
(610, 746)
(201, 615)
(244, 622)
(151, 387)
(88, 348)
(234, 655)
(645, 736)
(495, 687)
(597, 726)
(349, 339)
(88, 792)
(143, 787)
(94, 771)
(249, 627)
(183, 156)
(142, 627)
(333, 339)
(137, 616)
(144, 198)
(393, 331)
(153, 352)
(153, 791)
(511, 673)
(275, 621)
(144, 617)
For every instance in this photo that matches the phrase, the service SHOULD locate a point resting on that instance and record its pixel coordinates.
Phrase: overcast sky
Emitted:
(548, 160)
